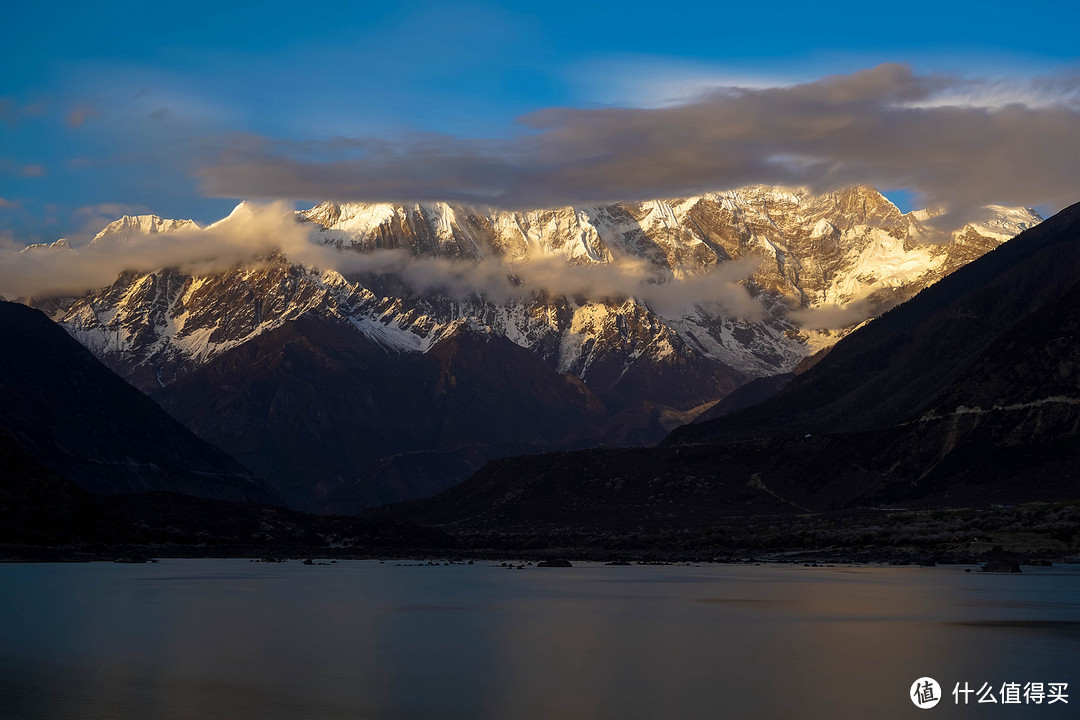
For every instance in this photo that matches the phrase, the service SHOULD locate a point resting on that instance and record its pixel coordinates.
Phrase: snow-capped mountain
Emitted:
(659, 362)
(134, 226)
(61, 245)
(816, 251)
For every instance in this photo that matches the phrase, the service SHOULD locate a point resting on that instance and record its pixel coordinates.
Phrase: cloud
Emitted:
(80, 114)
(8, 204)
(12, 111)
(835, 317)
(39, 272)
(32, 171)
(500, 280)
(960, 143)
(652, 81)
(252, 232)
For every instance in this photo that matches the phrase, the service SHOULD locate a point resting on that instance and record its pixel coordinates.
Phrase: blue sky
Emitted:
(123, 107)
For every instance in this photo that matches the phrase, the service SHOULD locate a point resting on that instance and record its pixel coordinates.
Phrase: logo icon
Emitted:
(925, 693)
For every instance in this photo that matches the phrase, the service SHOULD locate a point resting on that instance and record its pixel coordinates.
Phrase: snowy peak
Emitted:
(242, 212)
(1003, 223)
(425, 229)
(667, 232)
(359, 218)
(61, 245)
(132, 226)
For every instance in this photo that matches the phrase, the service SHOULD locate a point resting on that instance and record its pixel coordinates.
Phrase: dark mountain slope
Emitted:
(38, 507)
(338, 423)
(752, 393)
(885, 372)
(44, 517)
(69, 414)
(1036, 361)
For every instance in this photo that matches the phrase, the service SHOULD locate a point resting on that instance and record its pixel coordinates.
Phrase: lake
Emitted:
(359, 639)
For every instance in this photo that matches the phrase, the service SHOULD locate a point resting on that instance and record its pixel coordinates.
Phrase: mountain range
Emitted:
(351, 388)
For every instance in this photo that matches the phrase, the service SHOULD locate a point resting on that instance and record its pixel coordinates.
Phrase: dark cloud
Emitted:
(960, 143)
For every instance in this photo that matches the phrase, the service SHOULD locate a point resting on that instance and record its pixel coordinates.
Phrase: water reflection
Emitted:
(231, 639)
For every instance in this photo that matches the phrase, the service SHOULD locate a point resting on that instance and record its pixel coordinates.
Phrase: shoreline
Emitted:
(892, 557)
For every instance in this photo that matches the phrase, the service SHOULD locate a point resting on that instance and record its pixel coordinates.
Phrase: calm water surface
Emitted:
(232, 639)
